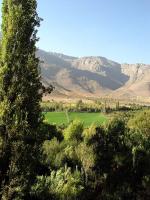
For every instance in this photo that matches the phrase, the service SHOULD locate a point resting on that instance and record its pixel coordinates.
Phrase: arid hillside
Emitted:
(94, 76)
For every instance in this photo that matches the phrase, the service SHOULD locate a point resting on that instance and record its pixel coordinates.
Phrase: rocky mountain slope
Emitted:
(94, 76)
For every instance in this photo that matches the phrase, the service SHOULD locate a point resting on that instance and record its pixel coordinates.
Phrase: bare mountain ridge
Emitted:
(94, 76)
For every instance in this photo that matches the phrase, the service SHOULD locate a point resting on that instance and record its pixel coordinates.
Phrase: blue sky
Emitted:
(116, 29)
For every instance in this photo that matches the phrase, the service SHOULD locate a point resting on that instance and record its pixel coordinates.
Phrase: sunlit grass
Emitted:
(59, 118)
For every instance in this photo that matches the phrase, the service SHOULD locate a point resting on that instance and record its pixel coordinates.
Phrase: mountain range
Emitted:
(94, 76)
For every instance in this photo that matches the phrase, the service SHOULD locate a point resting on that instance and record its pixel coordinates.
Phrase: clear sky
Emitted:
(116, 29)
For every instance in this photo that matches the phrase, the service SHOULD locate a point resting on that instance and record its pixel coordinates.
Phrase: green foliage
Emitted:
(141, 122)
(20, 112)
(61, 184)
(88, 133)
(74, 131)
(53, 153)
(113, 160)
(41, 189)
(79, 106)
(86, 156)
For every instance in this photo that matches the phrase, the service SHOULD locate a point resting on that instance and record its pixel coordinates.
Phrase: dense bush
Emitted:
(111, 162)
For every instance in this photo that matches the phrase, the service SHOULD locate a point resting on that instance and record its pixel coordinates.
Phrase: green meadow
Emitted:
(59, 118)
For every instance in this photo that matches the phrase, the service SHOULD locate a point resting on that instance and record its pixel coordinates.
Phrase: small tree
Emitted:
(74, 131)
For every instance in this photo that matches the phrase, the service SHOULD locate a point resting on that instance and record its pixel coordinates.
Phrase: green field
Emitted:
(64, 118)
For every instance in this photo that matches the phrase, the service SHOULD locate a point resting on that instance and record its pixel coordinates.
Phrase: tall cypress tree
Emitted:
(20, 113)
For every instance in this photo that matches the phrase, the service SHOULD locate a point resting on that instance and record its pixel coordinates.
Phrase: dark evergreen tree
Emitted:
(20, 112)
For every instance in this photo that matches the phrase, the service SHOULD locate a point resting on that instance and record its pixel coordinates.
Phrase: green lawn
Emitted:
(63, 118)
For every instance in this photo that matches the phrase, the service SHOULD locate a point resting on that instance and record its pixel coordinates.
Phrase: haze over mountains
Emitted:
(94, 76)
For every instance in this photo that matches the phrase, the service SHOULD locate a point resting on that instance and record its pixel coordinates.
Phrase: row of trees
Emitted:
(81, 106)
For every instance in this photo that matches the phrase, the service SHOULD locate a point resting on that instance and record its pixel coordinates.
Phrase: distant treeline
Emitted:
(95, 106)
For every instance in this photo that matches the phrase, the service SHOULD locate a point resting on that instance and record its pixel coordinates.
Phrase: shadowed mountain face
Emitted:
(94, 76)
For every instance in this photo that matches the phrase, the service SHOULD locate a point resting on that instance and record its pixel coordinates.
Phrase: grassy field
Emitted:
(64, 118)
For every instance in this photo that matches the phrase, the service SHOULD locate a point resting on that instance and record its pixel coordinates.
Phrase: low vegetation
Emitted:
(63, 118)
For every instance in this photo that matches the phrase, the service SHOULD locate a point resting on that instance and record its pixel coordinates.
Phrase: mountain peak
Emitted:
(63, 56)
